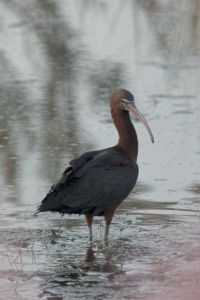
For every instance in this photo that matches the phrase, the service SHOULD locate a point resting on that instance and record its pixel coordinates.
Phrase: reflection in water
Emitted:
(89, 255)
(58, 131)
(105, 78)
(54, 57)
(71, 272)
(195, 188)
(171, 29)
(103, 263)
(11, 102)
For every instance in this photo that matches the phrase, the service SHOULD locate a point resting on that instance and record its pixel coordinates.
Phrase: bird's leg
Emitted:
(108, 215)
(89, 220)
(106, 233)
(90, 233)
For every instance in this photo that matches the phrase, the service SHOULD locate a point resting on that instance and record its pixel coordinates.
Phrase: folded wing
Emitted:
(91, 183)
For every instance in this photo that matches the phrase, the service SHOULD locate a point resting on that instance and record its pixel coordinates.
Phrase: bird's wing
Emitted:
(68, 175)
(105, 179)
(74, 165)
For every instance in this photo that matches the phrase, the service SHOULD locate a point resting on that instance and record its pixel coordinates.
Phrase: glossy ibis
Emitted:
(95, 183)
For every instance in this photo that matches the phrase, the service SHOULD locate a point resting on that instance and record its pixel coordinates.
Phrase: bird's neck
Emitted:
(128, 141)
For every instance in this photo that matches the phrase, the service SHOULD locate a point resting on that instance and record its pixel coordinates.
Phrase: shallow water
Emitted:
(59, 63)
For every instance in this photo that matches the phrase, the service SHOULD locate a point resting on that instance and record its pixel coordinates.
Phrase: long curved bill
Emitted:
(133, 109)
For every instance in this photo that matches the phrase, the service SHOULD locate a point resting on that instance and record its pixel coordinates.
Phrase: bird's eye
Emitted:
(124, 104)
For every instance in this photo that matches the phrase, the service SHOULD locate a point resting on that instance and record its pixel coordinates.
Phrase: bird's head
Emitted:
(123, 100)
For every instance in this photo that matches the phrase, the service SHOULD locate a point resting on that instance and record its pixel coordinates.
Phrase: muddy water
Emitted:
(59, 63)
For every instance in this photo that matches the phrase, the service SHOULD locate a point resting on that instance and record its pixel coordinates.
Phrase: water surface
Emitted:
(59, 63)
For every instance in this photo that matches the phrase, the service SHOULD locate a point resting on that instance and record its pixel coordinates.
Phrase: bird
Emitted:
(95, 183)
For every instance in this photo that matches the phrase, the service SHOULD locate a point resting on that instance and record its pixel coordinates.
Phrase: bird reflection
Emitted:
(89, 257)
(102, 262)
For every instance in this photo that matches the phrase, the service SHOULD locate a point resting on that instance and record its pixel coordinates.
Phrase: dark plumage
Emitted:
(95, 183)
